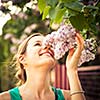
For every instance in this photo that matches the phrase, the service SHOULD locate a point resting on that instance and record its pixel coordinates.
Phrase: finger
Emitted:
(71, 51)
(77, 52)
(80, 41)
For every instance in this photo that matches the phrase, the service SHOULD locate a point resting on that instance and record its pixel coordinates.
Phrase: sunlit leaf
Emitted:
(59, 16)
(41, 5)
(53, 12)
(45, 12)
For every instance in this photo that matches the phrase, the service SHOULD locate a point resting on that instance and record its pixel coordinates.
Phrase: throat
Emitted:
(39, 81)
(37, 86)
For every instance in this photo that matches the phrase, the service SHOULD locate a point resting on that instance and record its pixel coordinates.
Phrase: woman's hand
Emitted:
(72, 63)
(74, 55)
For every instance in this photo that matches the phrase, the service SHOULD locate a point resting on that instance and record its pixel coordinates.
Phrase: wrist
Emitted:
(72, 72)
(72, 68)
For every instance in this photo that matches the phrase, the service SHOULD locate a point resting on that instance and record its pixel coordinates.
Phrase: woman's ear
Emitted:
(22, 59)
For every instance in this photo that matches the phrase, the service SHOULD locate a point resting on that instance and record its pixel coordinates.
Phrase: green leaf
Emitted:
(56, 14)
(91, 7)
(75, 6)
(59, 16)
(94, 28)
(88, 9)
(72, 13)
(45, 12)
(65, 1)
(51, 3)
(79, 22)
(53, 13)
(41, 5)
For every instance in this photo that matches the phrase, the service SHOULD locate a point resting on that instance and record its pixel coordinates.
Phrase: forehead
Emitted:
(36, 39)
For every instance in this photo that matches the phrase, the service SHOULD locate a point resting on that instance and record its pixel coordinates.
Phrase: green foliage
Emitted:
(41, 5)
(75, 6)
(4, 49)
(79, 21)
(56, 14)
(17, 24)
(51, 2)
(45, 12)
(81, 16)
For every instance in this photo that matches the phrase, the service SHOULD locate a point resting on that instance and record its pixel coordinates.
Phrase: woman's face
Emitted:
(36, 55)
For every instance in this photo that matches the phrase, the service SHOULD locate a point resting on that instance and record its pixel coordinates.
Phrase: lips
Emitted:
(50, 52)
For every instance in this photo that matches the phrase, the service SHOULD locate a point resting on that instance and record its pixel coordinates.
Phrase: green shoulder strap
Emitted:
(59, 93)
(14, 93)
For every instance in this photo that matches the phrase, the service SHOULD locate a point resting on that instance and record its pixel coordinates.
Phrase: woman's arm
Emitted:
(72, 60)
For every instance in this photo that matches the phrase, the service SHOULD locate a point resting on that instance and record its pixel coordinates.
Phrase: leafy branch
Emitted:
(82, 14)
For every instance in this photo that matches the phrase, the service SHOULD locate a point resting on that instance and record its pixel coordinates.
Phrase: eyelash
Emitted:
(37, 44)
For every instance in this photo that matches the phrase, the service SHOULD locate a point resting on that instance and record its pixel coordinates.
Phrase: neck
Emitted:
(37, 83)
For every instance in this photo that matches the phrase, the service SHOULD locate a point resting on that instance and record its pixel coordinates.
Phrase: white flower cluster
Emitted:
(89, 52)
(64, 39)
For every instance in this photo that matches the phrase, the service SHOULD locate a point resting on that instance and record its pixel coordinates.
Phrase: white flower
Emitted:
(64, 39)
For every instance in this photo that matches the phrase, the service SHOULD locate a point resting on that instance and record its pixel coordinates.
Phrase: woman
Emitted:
(36, 63)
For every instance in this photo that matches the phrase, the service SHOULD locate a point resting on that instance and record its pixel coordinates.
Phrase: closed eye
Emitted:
(37, 44)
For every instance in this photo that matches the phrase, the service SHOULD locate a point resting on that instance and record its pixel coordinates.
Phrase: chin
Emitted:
(48, 62)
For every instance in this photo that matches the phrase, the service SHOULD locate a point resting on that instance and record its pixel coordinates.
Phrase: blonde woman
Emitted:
(35, 63)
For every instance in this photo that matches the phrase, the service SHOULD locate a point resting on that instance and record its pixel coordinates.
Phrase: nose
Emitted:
(47, 47)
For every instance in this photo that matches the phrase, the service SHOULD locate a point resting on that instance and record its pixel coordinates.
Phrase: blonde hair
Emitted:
(21, 74)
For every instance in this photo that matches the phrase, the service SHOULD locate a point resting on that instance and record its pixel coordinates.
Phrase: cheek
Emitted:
(32, 55)
(32, 60)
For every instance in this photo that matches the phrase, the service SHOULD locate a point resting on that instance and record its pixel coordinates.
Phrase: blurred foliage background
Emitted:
(20, 18)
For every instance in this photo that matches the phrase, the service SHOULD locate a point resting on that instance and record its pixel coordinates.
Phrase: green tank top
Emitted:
(15, 94)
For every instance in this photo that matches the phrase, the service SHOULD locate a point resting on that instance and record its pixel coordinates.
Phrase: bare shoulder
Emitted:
(5, 96)
(66, 94)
